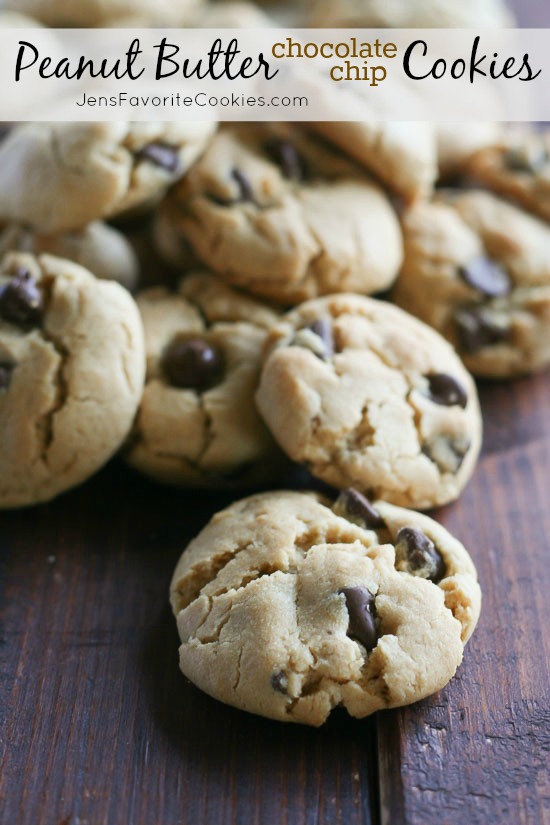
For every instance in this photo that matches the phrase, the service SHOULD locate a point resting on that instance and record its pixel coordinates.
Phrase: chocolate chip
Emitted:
(279, 681)
(446, 390)
(486, 276)
(246, 191)
(362, 613)
(355, 507)
(192, 363)
(323, 329)
(161, 154)
(21, 301)
(416, 554)
(528, 158)
(5, 376)
(316, 337)
(478, 327)
(447, 452)
(285, 155)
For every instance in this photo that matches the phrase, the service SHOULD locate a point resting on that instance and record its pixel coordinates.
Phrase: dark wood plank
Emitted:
(478, 752)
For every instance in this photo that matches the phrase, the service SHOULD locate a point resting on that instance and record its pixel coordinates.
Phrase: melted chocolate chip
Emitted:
(161, 154)
(355, 507)
(5, 376)
(416, 554)
(446, 390)
(530, 159)
(478, 327)
(21, 301)
(246, 191)
(362, 613)
(279, 681)
(285, 155)
(316, 337)
(192, 364)
(487, 277)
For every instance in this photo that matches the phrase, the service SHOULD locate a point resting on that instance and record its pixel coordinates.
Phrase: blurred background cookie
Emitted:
(478, 270)
(278, 212)
(56, 177)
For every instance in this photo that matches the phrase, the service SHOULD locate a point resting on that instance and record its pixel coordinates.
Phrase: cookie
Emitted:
(58, 177)
(410, 14)
(99, 13)
(197, 425)
(231, 15)
(100, 248)
(478, 270)
(367, 396)
(277, 212)
(458, 142)
(288, 607)
(516, 167)
(402, 155)
(71, 375)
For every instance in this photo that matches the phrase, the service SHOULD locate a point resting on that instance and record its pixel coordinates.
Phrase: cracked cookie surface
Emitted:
(72, 366)
(280, 213)
(198, 424)
(477, 269)
(287, 609)
(367, 396)
(56, 177)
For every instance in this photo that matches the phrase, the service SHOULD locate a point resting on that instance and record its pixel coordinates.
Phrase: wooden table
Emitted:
(98, 726)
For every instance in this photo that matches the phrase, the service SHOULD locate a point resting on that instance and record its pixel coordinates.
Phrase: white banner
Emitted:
(274, 74)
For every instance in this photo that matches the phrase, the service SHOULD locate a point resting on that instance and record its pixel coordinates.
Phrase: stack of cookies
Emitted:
(307, 298)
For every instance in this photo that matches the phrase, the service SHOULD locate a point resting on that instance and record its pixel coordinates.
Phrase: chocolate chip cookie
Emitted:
(197, 424)
(57, 177)
(478, 270)
(402, 155)
(276, 211)
(100, 248)
(517, 167)
(72, 366)
(366, 396)
(287, 606)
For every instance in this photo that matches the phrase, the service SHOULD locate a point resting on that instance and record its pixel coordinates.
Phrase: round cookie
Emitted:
(197, 425)
(410, 14)
(277, 212)
(477, 269)
(287, 609)
(100, 248)
(367, 396)
(517, 167)
(403, 155)
(100, 13)
(57, 177)
(71, 375)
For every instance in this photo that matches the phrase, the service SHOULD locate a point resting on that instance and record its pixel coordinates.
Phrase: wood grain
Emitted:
(479, 751)
(99, 726)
